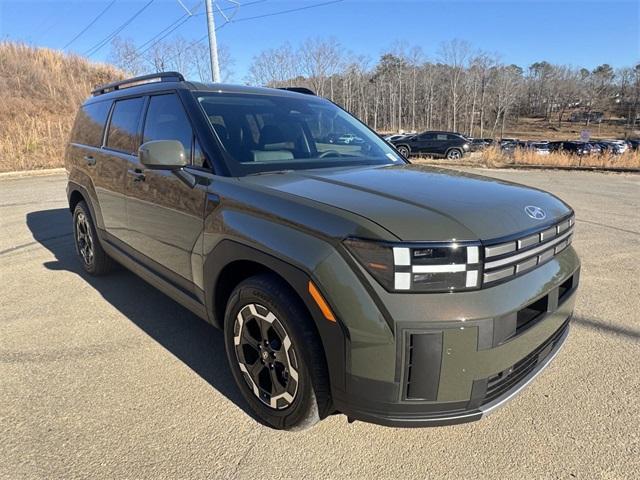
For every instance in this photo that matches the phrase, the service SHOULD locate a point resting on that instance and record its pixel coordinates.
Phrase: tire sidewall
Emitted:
(454, 154)
(82, 208)
(304, 405)
(404, 151)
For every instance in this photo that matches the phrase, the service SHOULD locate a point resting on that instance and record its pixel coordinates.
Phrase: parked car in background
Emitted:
(450, 145)
(392, 138)
(540, 148)
(508, 147)
(576, 148)
(616, 147)
(348, 139)
(596, 148)
(634, 144)
(477, 144)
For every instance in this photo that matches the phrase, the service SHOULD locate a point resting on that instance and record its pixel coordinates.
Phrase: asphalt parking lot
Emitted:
(109, 378)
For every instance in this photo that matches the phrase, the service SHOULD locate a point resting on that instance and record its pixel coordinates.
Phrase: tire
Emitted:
(94, 259)
(287, 387)
(454, 154)
(404, 151)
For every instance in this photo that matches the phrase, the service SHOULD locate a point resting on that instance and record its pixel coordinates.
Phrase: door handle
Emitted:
(137, 175)
(90, 160)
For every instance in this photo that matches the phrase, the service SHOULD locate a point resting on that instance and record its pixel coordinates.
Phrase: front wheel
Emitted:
(454, 154)
(275, 354)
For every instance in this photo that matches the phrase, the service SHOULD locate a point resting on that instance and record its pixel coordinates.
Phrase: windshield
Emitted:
(266, 133)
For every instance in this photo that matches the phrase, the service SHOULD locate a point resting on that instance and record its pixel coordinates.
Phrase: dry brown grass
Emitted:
(493, 157)
(41, 91)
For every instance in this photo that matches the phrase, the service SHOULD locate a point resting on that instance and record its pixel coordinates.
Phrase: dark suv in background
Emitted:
(572, 147)
(450, 145)
(344, 278)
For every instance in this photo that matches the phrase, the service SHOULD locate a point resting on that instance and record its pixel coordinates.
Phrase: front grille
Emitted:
(508, 259)
(504, 381)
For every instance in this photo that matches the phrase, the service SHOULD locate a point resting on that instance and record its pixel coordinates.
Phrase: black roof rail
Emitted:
(304, 90)
(132, 82)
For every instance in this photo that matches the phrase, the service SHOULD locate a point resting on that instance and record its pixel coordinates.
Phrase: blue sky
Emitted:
(581, 33)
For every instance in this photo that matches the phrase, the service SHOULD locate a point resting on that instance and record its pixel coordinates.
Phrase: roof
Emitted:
(161, 81)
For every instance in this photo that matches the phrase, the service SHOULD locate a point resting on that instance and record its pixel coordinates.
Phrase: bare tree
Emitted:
(319, 60)
(274, 67)
(455, 54)
(124, 56)
(473, 93)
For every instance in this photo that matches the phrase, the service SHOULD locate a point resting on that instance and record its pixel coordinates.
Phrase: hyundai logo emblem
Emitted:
(535, 212)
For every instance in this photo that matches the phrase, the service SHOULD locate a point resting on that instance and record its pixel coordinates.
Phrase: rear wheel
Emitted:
(404, 151)
(275, 354)
(454, 154)
(94, 259)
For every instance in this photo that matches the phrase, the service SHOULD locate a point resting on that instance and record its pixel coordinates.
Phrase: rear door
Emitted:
(121, 146)
(85, 155)
(440, 143)
(164, 214)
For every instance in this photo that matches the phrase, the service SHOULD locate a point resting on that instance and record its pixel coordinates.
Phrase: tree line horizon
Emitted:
(461, 89)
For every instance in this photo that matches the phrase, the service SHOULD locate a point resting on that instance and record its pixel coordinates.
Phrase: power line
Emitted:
(139, 51)
(90, 24)
(97, 47)
(281, 12)
(158, 37)
(168, 30)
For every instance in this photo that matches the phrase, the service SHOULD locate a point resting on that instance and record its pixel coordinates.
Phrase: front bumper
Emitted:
(460, 356)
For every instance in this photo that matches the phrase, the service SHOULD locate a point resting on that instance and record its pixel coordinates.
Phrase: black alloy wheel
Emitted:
(265, 356)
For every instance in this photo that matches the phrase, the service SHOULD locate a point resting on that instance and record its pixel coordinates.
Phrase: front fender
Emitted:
(333, 336)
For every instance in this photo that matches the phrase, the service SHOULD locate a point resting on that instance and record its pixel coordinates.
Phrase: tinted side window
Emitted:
(441, 136)
(123, 129)
(167, 120)
(89, 124)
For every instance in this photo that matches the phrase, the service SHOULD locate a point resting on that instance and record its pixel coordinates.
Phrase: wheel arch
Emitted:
(77, 193)
(231, 262)
(405, 145)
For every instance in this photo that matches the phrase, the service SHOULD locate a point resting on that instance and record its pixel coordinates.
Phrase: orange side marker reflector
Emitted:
(321, 302)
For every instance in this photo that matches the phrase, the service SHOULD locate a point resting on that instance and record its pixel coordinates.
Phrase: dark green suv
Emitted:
(344, 278)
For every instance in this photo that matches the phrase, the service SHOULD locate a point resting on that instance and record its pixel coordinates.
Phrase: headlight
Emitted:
(423, 267)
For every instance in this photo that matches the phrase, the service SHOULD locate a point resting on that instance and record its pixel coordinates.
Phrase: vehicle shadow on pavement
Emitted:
(192, 340)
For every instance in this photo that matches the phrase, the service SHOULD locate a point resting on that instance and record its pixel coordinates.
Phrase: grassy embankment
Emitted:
(41, 91)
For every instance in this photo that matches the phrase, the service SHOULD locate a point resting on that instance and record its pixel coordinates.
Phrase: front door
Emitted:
(424, 143)
(111, 163)
(164, 214)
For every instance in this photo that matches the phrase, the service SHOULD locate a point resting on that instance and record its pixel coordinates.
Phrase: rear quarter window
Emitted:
(89, 124)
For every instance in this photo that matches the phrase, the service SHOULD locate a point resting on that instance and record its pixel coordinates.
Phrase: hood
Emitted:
(419, 203)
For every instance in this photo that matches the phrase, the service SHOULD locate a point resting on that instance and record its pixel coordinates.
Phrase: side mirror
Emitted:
(162, 155)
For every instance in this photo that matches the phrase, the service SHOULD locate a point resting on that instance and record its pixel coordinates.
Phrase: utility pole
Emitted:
(213, 43)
